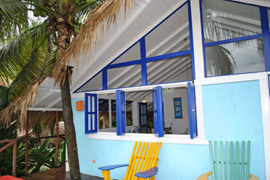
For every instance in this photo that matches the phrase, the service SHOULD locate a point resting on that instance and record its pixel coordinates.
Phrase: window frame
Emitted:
(265, 35)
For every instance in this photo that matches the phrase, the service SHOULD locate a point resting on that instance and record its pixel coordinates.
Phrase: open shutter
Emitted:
(120, 112)
(192, 111)
(90, 113)
(158, 111)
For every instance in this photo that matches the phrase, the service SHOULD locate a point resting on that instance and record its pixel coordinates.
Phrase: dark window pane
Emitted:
(129, 113)
(113, 110)
(224, 20)
(233, 58)
(104, 119)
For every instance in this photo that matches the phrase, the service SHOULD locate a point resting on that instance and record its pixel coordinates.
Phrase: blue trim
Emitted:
(160, 112)
(266, 34)
(233, 40)
(104, 79)
(171, 55)
(203, 42)
(155, 114)
(147, 174)
(120, 112)
(143, 61)
(133, 86)
(191, 40)
(111, 167)
(243, 3)
(129, 63)
(192, 111)
(91, 113)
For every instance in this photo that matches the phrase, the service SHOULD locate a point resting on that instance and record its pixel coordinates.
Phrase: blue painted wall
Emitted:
(231, 112)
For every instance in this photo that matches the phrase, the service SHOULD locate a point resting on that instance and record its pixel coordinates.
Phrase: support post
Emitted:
(57, 139)
(14, 165)
(26, 144)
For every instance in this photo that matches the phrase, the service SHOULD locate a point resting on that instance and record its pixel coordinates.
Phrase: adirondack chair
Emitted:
(227, 165)
(142, 164)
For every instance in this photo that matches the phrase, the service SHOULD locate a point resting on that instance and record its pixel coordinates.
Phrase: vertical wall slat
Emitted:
(248, 158)
(228, 160)
(217, 159)
(222, 160)
(237, 160)
(212, 160)
(243, 158)
(232, 161)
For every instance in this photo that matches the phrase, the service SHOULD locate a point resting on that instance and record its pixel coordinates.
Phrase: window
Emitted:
(90, 113)
(234, 38)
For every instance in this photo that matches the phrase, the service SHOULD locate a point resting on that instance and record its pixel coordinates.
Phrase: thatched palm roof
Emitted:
(90, 35)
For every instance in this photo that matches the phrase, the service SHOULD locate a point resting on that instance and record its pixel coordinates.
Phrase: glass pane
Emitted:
(93, 122)
(94, 84)
(170, 70)
(113, 110)
(226, 20)
(129, 113)
(89, 122)
(233, 58)
(93, 104)
(170, 36)
(132, 54)
(104, 119)
(89, 103)
(127, 76)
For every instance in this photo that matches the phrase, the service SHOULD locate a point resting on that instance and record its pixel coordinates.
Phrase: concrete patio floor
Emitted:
(56, 174)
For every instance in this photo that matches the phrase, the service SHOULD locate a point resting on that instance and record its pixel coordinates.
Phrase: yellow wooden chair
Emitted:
(142, 164)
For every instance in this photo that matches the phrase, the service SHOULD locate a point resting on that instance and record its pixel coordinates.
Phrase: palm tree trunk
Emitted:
(70, 130)
(70, 133)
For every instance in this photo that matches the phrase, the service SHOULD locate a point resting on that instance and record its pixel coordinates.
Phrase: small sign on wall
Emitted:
(178, 114)
(80, 105)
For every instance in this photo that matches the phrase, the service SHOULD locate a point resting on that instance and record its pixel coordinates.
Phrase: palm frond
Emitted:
(13, 18)
(102, 16)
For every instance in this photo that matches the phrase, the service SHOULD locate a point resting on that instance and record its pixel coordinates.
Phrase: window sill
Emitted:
(168, 138)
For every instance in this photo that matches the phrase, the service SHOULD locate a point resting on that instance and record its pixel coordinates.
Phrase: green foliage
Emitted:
(40, 156)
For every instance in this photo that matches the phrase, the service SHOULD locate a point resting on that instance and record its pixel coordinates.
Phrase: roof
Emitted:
(141, 18)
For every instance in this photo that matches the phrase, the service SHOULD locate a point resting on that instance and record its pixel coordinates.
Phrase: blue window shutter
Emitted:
(90, 113)
(120, 112)
(192, 111)
(158, 112)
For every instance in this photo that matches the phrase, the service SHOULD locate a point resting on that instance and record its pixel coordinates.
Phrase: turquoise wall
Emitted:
(231, 112)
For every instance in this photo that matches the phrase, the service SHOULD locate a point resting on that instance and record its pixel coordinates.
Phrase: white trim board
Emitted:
(175, 139)
(265, 105)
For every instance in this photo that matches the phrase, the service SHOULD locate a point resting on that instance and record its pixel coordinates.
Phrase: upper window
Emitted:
(233, 38)
(224, 20)
(170, 36)
(133, 53)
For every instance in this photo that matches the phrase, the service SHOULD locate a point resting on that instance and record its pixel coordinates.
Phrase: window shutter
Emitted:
(158, 111)
(192, 111)
(90, 113)
(120, 112)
